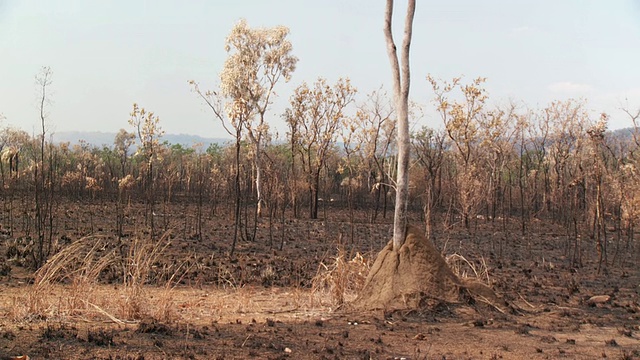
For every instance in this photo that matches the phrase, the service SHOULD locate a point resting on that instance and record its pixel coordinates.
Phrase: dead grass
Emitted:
(137, 266)
(340, 280)
(165, 305)
(79, 266)
(466, 269)
(66, 286)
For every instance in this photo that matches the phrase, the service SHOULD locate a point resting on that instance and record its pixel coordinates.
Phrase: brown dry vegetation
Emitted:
(177, 297)
(259, 249)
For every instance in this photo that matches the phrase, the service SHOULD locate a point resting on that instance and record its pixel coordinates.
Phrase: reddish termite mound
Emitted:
(413, 277)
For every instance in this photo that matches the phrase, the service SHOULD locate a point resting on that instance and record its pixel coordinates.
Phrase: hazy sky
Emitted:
(106, 55)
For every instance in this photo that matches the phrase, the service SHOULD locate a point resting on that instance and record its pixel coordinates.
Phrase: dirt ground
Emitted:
(261, 304)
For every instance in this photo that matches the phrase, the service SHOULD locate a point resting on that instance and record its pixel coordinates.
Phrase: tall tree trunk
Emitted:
(401, 95)
(294, 187)
(313, 214)
(257, 162)
(236, 219)
(428, 213)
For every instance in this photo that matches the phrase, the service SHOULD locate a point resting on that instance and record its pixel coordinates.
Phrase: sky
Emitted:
(107, 55)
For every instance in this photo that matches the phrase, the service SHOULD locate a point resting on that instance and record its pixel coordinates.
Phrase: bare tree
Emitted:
(314, 119)
(232, 119)
(122, 143)
(258, 59)
(401, 81)
(462, 123)
(43, 175)
(635, 120)
(598, 154)
(11, 141)
(430, 150)
(376, 131)
(351, 146)
(568, 121)
(630, 179)
(147, 126)
(43, 80)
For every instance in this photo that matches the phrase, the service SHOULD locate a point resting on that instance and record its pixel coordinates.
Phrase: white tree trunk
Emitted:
(401, 81)
(258, 164)
(257, 146)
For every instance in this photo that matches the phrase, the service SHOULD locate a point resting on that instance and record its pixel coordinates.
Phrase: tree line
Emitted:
(478, 162)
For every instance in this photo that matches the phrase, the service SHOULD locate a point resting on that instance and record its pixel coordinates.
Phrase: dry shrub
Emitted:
(19, 251)
(340, 279)
(72, 179)
(465, 269)
(126, 183)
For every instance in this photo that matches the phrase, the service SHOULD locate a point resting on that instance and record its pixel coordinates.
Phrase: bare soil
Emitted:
(260, 303)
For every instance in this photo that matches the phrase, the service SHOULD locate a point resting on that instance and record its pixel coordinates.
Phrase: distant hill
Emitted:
(623, 134)
(98, 138)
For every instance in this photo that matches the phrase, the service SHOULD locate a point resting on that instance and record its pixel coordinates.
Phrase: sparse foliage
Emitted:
(314, 118)
(258, 59)
(461, 119)
(149, 131)
(43, 174)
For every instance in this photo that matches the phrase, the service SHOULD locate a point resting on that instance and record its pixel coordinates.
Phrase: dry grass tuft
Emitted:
(340, 280)
(79, 266)
(137, 266)
(67, 284)
(165, 307)
(465, 269)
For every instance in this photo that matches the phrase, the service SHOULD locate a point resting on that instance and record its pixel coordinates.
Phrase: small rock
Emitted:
(598, 299)
(548, 339)
(287, 350)
(419, 336)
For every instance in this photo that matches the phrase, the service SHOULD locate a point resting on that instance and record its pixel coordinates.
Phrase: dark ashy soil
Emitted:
(260, 304)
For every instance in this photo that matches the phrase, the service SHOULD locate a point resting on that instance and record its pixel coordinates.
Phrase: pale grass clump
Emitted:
(464, 269)
(340, 280)
(164, 307)
(298, 298)
(68, 284)
(228, 302)
(137, 265)
(244, 300)
(79, 266)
